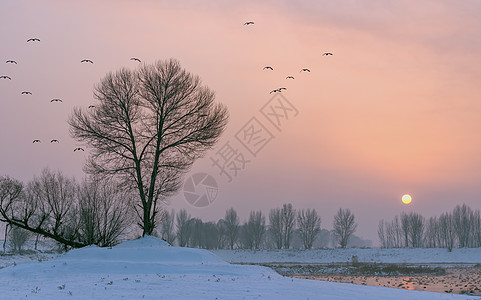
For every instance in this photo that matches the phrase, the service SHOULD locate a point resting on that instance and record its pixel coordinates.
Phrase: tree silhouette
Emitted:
(344, 226)
(149, 127)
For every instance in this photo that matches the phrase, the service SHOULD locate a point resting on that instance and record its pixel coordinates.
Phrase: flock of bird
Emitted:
(36, 40)
(278, 90)
(10, 61)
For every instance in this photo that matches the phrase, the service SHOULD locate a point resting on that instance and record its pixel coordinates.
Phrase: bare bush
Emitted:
(18, 237)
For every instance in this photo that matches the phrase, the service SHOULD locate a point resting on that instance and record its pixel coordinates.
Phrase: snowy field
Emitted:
(148, 268)
(397, 255)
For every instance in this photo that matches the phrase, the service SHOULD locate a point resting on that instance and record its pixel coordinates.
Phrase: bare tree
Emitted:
(432, 233)
(344, 226)
(257, 228)
(462, 216)
(381, 233)
(167, 227)
(49, 211)
(149, 127)
(447, 231)
(288, 223)
(232, 226)
(104, 213)
(309, 224)
(416, 229)
(253, 231)
(221, 234)
(275, 228)
(405, 228)
(183, 227)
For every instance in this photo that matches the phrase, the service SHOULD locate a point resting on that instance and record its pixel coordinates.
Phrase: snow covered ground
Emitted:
(148, 268)
(397, 255)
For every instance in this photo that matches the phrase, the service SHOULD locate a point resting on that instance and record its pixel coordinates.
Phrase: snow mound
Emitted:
(147, 250)
(144, 242)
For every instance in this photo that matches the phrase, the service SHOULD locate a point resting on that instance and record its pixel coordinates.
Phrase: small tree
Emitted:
(447, 231)
(344, 226)
(253, 231)
(167, 227)
(232, 226)
(288, 223)
(183, 227)
(309, 224)
(275, 227)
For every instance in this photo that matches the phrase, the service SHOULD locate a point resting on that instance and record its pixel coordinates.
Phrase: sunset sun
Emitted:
(406, 198)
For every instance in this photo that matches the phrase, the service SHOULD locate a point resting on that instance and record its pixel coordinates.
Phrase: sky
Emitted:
(396, 108)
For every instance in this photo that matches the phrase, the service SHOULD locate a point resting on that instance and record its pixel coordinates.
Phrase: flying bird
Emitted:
(54, 141)
(136, 59)
(77, 149)
(305, 70)
(275, 91)
(268, 67)
(56, 100)
(11, 62)
(6, 77)
(33, 40)
(249, 23)
(36, 141)
(87, 61)
(26, 93)
(91, 106)
(327, 53)
(290, 77)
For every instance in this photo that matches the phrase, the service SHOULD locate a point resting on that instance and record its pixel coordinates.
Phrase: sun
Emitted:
(406, 198)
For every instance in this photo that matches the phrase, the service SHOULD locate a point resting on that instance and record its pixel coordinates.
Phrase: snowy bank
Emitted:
(148, 268)
(396, 255)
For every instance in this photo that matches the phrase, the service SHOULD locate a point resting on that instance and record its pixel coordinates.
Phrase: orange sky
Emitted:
(395, 110)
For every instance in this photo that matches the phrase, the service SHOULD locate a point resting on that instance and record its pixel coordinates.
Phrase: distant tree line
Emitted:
(459, 228)
(101, 212)
(282, 228)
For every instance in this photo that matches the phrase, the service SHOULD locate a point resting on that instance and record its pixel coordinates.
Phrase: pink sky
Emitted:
(395, 110)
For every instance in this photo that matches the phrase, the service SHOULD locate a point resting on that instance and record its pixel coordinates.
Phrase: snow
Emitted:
(395, 255)
(148, 268)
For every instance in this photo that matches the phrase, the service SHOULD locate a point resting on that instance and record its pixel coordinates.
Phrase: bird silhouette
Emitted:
(54, 141)
(36, 141)
(33, 40)
(26, 93)
(136, 59)
(268, 67)
(305, 70)
(275, 91)
(91, 106)
(11, 62)
(56, 100)
(327, 53)
(87, 61)
(5, 77)
(249, 23)
(290, 77)
(78, 149)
